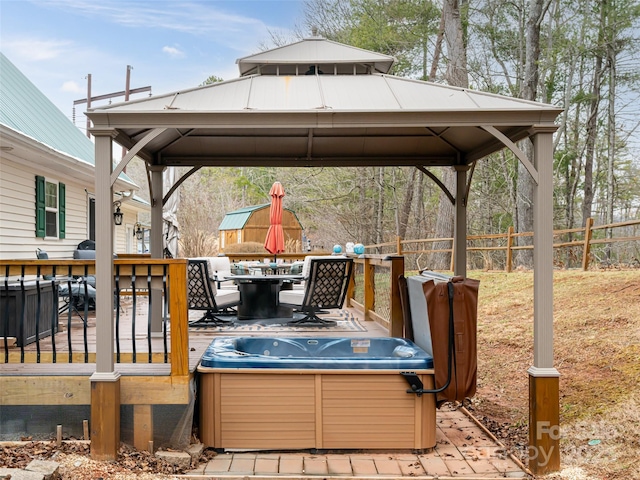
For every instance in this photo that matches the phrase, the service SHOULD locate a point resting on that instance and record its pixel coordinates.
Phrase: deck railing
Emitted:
(374, 290)
(30, 311)
(154, 293)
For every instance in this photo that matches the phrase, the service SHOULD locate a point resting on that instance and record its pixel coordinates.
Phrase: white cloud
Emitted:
(211, 21)
(73, 87)
(33, 49)
(173, 52)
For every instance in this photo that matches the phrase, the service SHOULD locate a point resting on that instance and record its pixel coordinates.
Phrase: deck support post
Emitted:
(142, 426)
(396, 326)
(544, 421)
(369, 271)
(105, 415)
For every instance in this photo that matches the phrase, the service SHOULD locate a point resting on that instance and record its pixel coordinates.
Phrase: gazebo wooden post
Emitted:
(396, 320)
(105, 382)
(544, 394)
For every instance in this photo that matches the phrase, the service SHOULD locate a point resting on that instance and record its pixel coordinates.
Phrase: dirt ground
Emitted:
(597, 352)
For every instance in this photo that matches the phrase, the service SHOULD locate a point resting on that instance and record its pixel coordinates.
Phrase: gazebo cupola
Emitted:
(315, 55)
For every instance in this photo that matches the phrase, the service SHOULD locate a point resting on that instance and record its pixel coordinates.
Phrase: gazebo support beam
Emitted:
(105, 382)
(544, 394)
(460, 224)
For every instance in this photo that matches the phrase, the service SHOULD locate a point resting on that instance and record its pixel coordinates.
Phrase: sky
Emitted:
(170, 45)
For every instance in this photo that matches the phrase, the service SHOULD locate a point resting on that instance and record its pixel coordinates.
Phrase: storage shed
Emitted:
(250, 224)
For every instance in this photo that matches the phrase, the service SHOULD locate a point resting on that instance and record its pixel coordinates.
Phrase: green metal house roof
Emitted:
(27, 110)
(237, 219)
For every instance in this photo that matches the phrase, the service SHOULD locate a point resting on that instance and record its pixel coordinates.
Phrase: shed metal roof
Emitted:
(237, 219)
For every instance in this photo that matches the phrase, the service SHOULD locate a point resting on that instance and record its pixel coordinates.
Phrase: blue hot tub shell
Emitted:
(316, 353)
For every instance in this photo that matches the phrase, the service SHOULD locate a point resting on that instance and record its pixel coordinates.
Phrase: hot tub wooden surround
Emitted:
(318, 409)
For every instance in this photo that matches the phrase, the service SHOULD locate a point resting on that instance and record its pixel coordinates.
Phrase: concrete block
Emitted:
(180, 459)
(50, 470)
(17, 474)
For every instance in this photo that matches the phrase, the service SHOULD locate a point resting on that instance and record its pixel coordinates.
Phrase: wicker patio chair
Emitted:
(325, 288)
(204, 295)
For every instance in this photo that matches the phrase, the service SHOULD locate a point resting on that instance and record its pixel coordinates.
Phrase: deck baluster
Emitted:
(134, 304)
(117, 282)
(165, 311)
(22, 311)
(38, 309)
(149, 313)
(54, 314)
(86, 313)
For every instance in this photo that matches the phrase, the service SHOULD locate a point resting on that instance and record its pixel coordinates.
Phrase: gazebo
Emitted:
(319, 103)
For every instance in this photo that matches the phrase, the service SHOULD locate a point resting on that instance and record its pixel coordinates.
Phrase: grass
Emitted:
(597, 352)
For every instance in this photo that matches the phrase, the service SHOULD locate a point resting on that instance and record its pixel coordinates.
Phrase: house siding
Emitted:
(17, 214)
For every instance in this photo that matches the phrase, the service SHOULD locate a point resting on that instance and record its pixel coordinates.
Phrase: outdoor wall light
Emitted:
(138, 231)
(117, 215)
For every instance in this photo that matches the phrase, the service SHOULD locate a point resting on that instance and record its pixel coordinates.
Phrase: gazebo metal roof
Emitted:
(343, 120)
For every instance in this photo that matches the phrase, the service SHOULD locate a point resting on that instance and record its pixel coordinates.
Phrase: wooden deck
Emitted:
(463, 449)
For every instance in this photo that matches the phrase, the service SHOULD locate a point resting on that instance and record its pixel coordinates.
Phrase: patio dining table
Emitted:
(270, 269)
(259, 296)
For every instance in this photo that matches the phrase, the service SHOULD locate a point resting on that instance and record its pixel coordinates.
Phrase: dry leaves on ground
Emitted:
(75, 462)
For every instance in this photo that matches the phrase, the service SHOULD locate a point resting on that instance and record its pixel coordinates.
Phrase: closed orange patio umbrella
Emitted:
(274, 242)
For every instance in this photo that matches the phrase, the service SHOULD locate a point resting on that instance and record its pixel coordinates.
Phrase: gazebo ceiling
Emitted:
(319, 146)
(335, 119)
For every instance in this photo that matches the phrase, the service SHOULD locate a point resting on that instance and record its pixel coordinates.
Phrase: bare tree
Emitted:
(456, 75)
(525, 184)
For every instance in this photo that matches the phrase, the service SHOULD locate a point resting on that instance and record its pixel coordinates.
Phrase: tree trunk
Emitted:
(457, 65)
(611, 125)
(437, 50)
(405, 211)
(525, 184)
(380, 207)
(592, 132)
(456, 75)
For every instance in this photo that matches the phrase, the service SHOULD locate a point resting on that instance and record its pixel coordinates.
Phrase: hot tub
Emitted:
(314, 393)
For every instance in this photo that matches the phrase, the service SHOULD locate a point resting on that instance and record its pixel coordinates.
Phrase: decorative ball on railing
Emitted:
(337, 249)
(358, 249)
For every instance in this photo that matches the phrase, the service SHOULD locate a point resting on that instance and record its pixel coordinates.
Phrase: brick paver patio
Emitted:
(463, 450)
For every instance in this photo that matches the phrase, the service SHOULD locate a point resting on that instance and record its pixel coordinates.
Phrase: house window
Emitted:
(50, 208)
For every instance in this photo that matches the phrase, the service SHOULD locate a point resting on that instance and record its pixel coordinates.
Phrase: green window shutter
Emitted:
(40, 207)
(62, 212)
